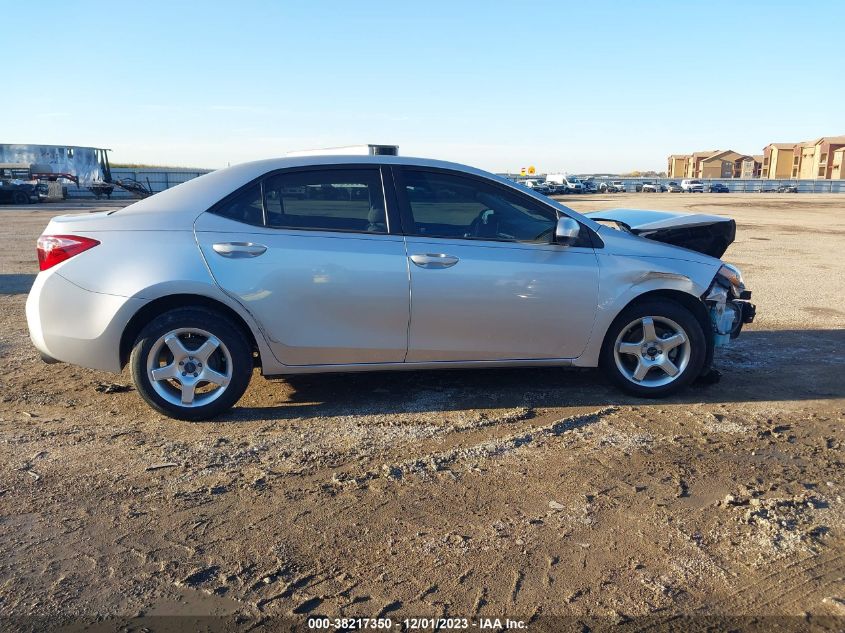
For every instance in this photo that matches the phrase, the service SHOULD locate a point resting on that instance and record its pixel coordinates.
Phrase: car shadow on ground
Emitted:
(761, 365)
(16, 284)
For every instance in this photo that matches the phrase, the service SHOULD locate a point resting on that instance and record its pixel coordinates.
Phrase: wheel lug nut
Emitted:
(181, 362)
(195, 375)
(184, 373)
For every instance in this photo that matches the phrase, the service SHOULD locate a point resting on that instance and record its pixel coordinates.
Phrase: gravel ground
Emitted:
(543, 495)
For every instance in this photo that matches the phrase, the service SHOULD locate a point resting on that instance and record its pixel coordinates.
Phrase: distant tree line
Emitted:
(644, 174)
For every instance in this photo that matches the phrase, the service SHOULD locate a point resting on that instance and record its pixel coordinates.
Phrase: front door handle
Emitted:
(434, 260)
(237, 250)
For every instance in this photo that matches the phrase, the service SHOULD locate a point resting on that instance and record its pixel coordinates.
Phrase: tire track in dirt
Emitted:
(773, 588)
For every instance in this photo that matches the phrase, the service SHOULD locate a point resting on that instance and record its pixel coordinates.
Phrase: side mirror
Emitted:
(566, 231)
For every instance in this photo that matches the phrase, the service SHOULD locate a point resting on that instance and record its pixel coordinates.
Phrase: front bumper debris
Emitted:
(728, 313)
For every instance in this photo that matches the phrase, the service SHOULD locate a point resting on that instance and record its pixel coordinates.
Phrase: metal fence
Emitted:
(157, 179)
(738, 185)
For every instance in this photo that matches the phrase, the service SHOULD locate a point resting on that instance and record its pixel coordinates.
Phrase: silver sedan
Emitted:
(342, 263)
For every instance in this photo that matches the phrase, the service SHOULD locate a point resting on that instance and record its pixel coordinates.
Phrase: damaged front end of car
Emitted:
(728, 304)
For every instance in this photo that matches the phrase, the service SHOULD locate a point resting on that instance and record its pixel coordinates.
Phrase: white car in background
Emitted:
(573, 185)
(540, 186)
(692, 186)
(615, 186)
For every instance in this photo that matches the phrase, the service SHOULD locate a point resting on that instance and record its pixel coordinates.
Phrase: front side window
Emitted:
(327, 200)
(449, 205)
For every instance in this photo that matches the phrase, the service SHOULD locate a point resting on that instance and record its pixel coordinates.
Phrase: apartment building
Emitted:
(777, 160)
(825, 149)
(803, 155)
(752, 167)
(694, 164)
(837, 171)
(677, 167)
(709, 164)
(809, 160)
(823, 158)
(723, 164)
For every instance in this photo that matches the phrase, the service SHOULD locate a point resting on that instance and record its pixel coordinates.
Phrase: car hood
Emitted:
(708, 234)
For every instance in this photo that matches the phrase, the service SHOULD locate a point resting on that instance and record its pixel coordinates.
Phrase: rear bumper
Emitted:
(69, 324)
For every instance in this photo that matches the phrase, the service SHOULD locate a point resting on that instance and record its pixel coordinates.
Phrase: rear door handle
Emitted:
(434, 260)
(237, 250)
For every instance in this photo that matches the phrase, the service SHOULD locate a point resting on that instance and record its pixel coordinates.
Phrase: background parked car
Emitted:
(18, 192)
(573, 185)
(718, 187)
(539, 186)
(674, 187)
(544, 188)
(692, 186)
(652, 187)
(787, 189)
(589, 185)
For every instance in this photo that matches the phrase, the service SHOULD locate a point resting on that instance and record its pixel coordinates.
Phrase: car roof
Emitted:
(198, 194)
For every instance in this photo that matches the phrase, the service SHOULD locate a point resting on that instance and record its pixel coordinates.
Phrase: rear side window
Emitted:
(244, 206)
(326, 200)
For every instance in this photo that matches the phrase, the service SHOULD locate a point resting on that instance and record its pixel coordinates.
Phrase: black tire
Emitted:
(695, 354)
(19, 197)
(232, 340)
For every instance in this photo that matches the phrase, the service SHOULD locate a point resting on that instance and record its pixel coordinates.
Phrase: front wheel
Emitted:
(191, 364)
(654, 348)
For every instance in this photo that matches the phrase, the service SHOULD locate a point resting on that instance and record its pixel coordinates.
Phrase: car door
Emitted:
(487, 283)
(309, 253)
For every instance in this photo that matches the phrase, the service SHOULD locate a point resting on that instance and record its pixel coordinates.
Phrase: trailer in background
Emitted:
(350, 150)
(53, 165)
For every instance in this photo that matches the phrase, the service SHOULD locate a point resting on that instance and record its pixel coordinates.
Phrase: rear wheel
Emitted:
(654, 348)
(191, 364)
(19, 197)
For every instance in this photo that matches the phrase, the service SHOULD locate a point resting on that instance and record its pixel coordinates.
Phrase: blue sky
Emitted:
(581, 86)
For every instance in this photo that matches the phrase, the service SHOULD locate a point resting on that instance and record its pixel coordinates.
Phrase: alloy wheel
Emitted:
(189, 367)
(652, 351)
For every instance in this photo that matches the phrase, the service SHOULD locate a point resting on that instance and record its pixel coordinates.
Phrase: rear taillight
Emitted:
(53, 249)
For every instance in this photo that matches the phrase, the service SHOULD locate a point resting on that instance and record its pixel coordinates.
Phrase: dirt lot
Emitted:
(531, 494)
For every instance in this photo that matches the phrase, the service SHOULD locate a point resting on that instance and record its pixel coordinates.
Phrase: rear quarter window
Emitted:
(243, 206)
